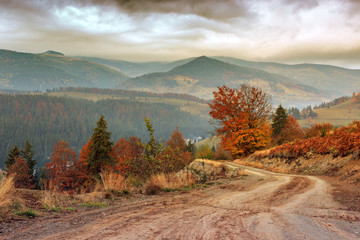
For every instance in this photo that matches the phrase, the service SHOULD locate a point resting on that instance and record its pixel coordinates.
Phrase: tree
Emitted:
(279, 120)
(241, 115)
(20, 171)
(100, 148)
(10, 160)
(85, 152)
(28, 154)
(176, 140)
(65, 172)
(291, 131)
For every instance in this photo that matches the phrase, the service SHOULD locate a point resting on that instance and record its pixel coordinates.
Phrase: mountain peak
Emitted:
(51, 52)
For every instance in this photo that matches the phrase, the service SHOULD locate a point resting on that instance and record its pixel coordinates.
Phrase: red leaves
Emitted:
(342, 141)
(242, 114)
(20, 171)
(65, 171)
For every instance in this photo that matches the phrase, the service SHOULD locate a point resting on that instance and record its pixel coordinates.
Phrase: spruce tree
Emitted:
(100, 148)
(28, 154)
(10, 160)
(279, 120)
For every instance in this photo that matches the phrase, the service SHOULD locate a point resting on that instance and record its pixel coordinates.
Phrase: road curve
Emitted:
(267, 206)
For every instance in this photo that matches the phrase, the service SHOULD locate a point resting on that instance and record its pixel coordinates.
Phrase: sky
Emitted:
(286, 31)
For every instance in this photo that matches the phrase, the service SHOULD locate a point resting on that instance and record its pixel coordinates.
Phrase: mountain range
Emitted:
(298, 85)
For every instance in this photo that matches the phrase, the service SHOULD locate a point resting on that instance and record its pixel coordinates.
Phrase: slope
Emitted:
(26, 71)
(338, 115)
(135, 69)
(44, 120)
(334, 80)
(201, 76)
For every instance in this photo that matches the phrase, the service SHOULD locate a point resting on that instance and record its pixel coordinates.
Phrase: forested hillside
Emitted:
(335, 81)
(135, 69)
(30, 72)
(201, 76)
(43, 120)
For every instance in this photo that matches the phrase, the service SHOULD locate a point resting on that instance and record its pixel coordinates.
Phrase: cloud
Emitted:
(282, 30)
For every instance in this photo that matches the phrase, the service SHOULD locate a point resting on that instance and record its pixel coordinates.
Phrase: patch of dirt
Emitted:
(346, 194)
(297, 185)
(263, 205)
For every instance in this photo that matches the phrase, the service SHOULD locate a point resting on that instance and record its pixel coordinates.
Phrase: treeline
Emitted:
(44, 120)
(128, 93)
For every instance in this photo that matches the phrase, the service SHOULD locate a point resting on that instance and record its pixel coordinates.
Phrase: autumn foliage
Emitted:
(65, 172)
(340, 142)
(242, 116)
(20, 171)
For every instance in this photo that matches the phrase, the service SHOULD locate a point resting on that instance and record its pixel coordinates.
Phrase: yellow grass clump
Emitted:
(7, 192)
(170, 181)
(113, 182)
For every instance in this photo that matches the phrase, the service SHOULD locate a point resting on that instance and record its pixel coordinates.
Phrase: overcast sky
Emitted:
(289, 31)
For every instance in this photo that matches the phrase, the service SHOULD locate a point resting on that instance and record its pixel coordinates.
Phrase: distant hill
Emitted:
(336, 81)
(202, 75)
(135, 69)
(340, 114)
(25, 71)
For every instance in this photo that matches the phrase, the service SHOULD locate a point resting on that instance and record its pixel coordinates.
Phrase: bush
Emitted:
(204, 152)
(341, 142)
(222, 154)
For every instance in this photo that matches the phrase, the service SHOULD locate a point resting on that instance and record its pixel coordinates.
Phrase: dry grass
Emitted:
(242, 172)
(170, 181)
(250, 164)
(7, 193)
(96, 195)
(213, 163)
(113, 182)
(52, 200)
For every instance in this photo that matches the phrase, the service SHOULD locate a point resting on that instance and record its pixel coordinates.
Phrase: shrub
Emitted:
(204, 152)
(222, 154)
(341, 142)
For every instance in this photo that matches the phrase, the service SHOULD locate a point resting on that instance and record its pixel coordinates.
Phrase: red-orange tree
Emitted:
(65, 171)
(20, 171)
(242, 115)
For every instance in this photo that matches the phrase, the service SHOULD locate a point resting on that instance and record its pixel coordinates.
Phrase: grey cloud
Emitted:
(299, 5)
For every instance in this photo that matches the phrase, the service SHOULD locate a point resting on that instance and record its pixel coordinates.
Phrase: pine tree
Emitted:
(27, 153)
(279, 120)
(100, 148)
(10, 160)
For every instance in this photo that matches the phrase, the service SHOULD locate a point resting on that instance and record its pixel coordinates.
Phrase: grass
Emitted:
(338, 115)
(7, 194)
(54, 201)
(169, 182)
(94, 204)
(114, 182)
(30, 213)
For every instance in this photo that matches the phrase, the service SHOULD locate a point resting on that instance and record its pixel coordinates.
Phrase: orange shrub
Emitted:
(343, 141)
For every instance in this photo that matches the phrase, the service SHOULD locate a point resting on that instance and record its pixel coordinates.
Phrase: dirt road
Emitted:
(263, 205)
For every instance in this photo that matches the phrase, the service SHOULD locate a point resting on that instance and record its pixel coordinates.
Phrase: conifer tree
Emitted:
(10, 160)
(27, 153)
(100, 148)
(279, 120)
